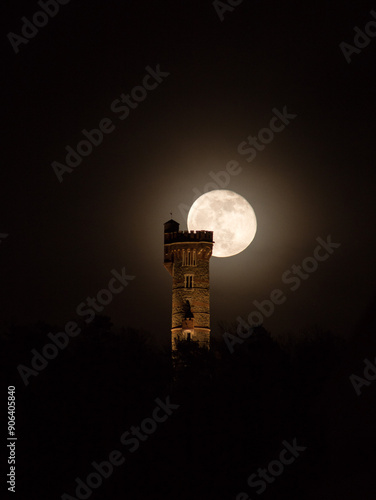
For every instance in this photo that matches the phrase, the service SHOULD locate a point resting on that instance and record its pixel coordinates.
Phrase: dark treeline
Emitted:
(235, 411)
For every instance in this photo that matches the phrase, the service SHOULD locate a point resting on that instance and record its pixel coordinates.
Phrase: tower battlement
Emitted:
(186, 236)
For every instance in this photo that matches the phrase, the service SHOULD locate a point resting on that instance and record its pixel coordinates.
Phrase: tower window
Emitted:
(188, 281)
(189, 257)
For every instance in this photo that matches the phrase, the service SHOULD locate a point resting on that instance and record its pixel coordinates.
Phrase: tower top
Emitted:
(188, 236)
(173, 235)
(171, 226)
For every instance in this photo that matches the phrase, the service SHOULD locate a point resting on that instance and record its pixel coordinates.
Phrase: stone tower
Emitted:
(186, 258)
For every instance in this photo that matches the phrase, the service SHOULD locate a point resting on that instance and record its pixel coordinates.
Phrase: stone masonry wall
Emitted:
(199, 295)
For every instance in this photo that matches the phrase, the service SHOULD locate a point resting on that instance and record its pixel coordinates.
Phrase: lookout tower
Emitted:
(186, 258)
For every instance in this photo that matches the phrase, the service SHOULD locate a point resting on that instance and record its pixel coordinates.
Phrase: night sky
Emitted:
(221, 81)
(272, 100)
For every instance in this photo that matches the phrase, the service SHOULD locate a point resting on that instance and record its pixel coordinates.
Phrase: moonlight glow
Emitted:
(229, 216)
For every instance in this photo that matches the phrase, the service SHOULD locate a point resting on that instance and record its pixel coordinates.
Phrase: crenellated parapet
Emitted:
(186, 236)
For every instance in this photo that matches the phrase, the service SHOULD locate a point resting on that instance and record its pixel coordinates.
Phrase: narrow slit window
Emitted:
(189, 257)
(188, 281)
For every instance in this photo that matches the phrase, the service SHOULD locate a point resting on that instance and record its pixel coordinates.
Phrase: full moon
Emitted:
(229, 216)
